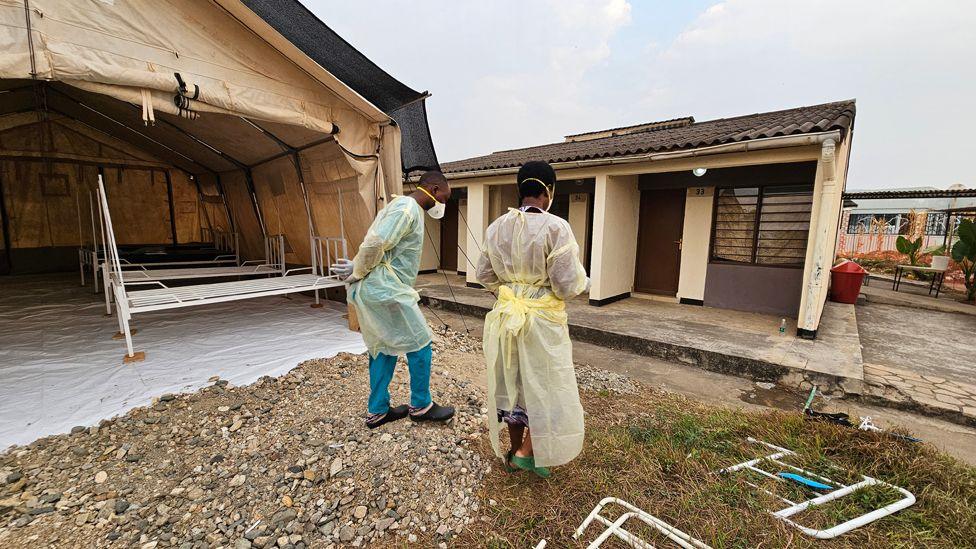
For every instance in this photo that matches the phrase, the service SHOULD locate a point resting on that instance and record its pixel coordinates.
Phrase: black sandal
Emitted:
(392, 414)
(436, 412)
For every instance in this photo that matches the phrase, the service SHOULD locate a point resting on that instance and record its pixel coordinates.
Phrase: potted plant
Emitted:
(964, 254)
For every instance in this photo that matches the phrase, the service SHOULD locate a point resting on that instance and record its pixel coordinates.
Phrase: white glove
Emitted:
(342, 268)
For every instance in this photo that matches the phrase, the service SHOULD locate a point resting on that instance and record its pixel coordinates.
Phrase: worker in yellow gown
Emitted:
(381, 279)
(531, 261)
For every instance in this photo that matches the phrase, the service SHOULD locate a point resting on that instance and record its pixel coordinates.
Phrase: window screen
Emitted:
(735, 225)
(762, 225)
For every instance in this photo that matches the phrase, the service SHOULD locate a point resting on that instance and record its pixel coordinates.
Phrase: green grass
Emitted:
(658, 451)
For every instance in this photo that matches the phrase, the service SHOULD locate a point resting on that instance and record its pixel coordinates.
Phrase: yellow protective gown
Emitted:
(531, 261)
(386, 268)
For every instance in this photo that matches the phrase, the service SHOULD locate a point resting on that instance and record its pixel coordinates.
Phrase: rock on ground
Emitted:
(283, 462)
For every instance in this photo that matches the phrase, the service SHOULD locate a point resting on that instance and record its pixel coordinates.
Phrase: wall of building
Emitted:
(615, 217)
(502, 198)
(754, 288)
(579, 221)
(695, 237)
(429, 258)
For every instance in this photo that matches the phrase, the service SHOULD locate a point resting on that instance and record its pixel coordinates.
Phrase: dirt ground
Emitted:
(287, 463)
(741, 394)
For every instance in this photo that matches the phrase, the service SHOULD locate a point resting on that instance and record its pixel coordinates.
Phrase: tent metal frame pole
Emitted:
(123, 125)
(248, 176)
(77, 162)
(172, 207)
(297, 162)
(249, 179)
(199, 141)
(281, 142)
(223, 199)
(5, 226)
(305, 147)
(312, 233)
(202, 208)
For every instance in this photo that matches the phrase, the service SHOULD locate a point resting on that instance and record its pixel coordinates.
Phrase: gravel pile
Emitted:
(283, 463)
(598, 381)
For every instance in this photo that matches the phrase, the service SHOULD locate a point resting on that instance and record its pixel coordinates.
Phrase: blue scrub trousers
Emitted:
(381, 373)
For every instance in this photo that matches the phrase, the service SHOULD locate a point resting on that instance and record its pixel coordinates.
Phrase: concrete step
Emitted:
(832, 362)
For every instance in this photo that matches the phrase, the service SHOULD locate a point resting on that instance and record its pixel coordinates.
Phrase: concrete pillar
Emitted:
(695, 239)
(579, 220)
(432, 245)
(477, 215)
(616, 210)
(822, 239)
(462, 239)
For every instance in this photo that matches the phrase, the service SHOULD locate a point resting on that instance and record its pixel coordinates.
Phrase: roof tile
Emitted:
(811, 119)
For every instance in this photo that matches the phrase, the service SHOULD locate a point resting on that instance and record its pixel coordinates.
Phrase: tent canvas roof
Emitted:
(407, 106)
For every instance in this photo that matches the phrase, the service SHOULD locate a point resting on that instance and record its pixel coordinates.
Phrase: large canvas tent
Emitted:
(201, 115)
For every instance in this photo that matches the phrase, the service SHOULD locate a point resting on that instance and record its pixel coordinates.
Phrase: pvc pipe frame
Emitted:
(907, 501)
(615, 528)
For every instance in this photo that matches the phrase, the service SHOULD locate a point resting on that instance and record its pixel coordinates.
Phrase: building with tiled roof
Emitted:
(736, 212)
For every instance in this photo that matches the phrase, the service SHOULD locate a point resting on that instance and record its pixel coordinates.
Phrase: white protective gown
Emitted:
(531, 261)
(387, 265)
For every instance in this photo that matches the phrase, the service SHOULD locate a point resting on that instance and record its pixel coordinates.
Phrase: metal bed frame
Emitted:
(225, 246)
(324, 253)
(273, 264)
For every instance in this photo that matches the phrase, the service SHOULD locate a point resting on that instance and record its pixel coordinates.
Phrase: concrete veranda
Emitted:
(733, 342)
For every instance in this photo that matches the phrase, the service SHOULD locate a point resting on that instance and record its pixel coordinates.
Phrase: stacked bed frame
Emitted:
(142, 290)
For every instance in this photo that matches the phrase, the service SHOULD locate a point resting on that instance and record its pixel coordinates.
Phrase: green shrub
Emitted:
(911, 248)
(964, 253)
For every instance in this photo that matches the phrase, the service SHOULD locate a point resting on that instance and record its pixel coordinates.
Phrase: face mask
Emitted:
(439, 208)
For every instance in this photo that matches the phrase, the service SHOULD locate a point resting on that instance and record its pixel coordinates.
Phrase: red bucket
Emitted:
(845, 282)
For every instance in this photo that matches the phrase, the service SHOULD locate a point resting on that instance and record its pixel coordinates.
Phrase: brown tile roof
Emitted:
(815, 118)
(911, 193)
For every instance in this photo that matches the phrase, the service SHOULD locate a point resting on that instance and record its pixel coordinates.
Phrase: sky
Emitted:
(505, 74)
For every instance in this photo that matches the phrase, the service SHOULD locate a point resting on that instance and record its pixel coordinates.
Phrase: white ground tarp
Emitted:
(60, 367)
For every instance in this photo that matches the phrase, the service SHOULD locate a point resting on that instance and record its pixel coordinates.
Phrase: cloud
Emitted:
(513, 73)
(902, 61)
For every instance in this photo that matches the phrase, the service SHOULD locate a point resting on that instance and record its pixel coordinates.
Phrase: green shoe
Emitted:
(508, 463)
(528, 464)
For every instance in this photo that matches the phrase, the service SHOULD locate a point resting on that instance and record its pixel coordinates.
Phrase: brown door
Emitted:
(662, 213)
(449, 237)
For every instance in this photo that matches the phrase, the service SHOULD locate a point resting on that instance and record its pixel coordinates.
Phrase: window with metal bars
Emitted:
(762, 225)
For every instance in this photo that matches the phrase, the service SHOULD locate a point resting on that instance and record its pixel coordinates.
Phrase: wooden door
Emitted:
(449, 237)
(662, 213)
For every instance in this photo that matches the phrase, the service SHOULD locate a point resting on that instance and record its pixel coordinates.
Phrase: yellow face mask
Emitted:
(551, 191)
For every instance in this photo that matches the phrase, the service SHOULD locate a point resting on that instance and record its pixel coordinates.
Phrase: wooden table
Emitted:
(937, 275)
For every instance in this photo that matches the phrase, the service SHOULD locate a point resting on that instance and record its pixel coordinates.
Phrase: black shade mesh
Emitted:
(416, 149)
(307, 32)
